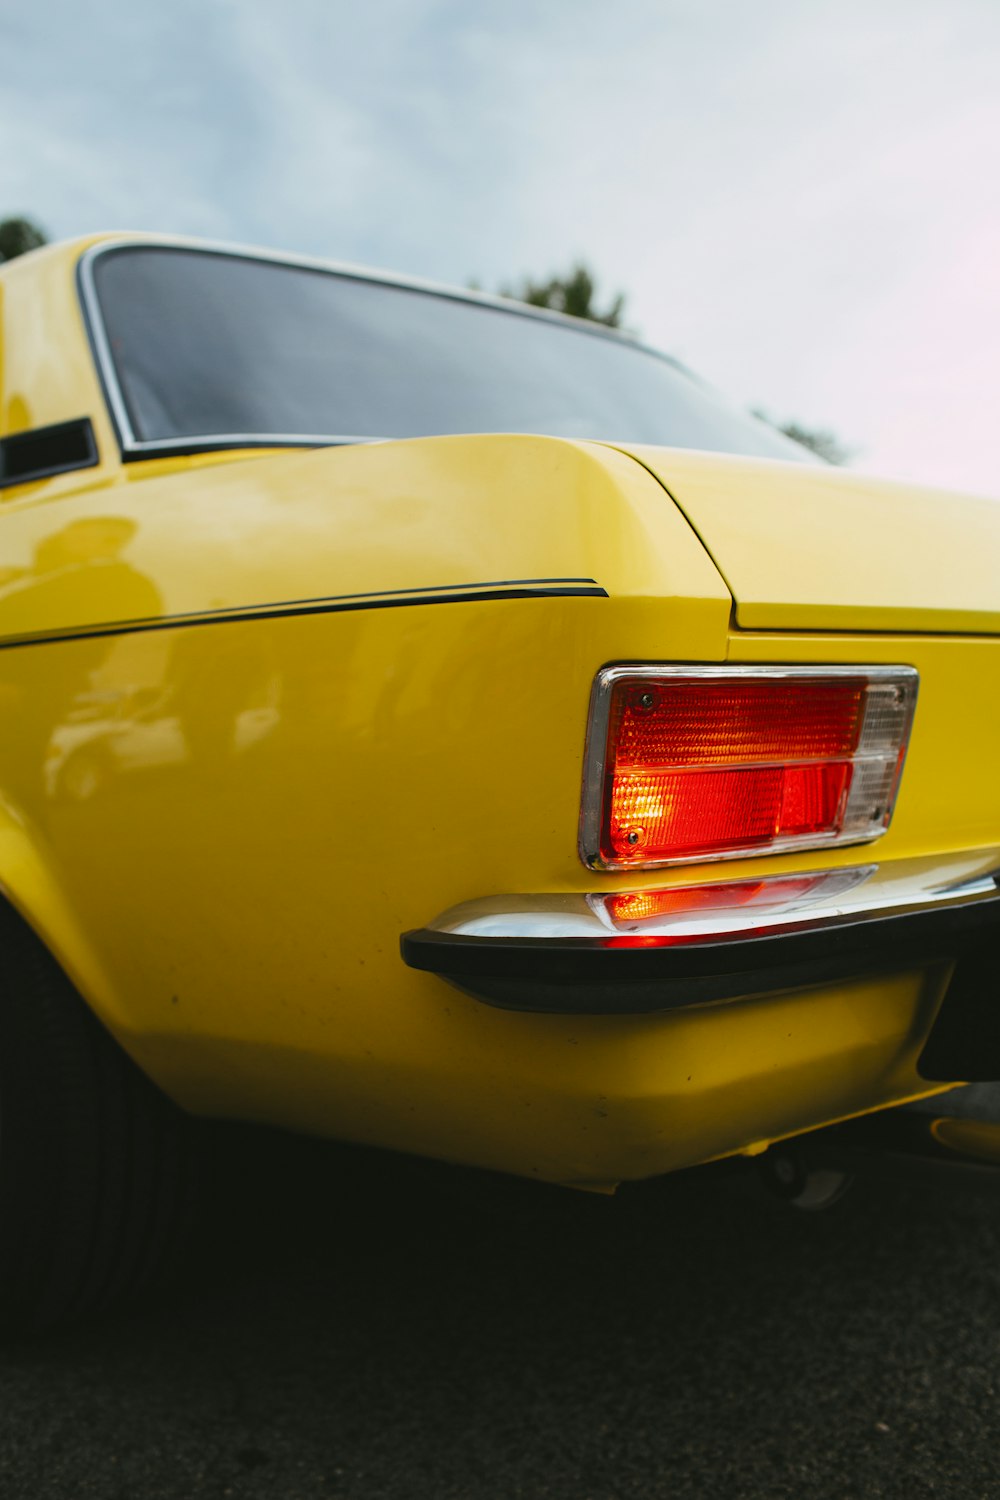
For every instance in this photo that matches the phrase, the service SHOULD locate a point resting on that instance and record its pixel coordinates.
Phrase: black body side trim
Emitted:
(45, 451)
(477, 593)
(623, 976)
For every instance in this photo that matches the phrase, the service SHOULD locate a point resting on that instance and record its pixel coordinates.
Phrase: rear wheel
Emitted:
(95, 1179)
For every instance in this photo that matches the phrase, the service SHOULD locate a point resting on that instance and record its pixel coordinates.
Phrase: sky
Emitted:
(799, 198)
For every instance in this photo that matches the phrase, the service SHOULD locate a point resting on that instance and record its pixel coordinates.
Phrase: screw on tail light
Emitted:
(691, 763)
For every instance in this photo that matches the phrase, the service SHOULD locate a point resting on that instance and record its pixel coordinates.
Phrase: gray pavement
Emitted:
(364, 1326)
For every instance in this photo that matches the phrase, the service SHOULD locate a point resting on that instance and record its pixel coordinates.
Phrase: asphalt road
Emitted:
(367, 1327)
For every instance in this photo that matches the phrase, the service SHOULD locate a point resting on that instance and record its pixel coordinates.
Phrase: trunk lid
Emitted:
(805, 547)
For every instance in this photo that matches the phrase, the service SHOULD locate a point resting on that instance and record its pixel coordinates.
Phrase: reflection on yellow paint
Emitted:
(157, 700)
(75, 569)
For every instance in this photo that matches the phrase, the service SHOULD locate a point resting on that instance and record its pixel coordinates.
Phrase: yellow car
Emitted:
(435, 723)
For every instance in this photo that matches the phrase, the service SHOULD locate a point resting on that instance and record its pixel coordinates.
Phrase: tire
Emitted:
(95, 1164)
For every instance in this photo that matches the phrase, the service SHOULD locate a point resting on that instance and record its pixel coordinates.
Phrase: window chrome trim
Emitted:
(221, 441)
(591, 806)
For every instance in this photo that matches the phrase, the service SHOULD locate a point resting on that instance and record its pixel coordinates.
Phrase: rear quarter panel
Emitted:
(263, 799)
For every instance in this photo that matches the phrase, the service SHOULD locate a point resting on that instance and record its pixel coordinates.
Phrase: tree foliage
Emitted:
(820, 440)
(573, 294)
(18, 236)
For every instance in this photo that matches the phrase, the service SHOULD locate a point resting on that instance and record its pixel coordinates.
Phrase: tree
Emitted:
(18, 236)
(820, 440)
(573, 294)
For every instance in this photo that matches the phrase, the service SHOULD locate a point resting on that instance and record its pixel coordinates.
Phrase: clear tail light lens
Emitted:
(689, 913)
(688, 763)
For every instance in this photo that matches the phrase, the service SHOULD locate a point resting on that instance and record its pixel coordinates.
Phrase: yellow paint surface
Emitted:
(222, 826)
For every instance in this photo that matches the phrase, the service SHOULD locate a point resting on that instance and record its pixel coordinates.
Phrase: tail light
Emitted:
(689, 763)
(730, 908)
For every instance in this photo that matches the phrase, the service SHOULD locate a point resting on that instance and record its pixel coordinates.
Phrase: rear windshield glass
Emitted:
(209, 346)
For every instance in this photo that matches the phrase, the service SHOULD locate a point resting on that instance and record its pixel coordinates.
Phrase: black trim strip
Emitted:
(540, 588)
(613, 976)
(43, 452)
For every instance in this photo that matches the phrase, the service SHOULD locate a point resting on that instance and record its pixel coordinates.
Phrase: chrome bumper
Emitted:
(581, 954)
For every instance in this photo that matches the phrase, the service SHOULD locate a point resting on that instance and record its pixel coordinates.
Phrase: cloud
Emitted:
(792, 196)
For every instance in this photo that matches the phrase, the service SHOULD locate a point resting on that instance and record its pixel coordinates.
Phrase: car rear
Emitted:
(793, 853)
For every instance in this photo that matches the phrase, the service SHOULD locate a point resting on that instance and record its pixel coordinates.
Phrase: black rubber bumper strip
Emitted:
(636, 976)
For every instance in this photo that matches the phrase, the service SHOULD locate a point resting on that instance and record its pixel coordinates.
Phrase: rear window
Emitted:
(211, 347)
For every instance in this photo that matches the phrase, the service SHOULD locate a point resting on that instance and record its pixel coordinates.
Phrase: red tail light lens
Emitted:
(712, 762)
